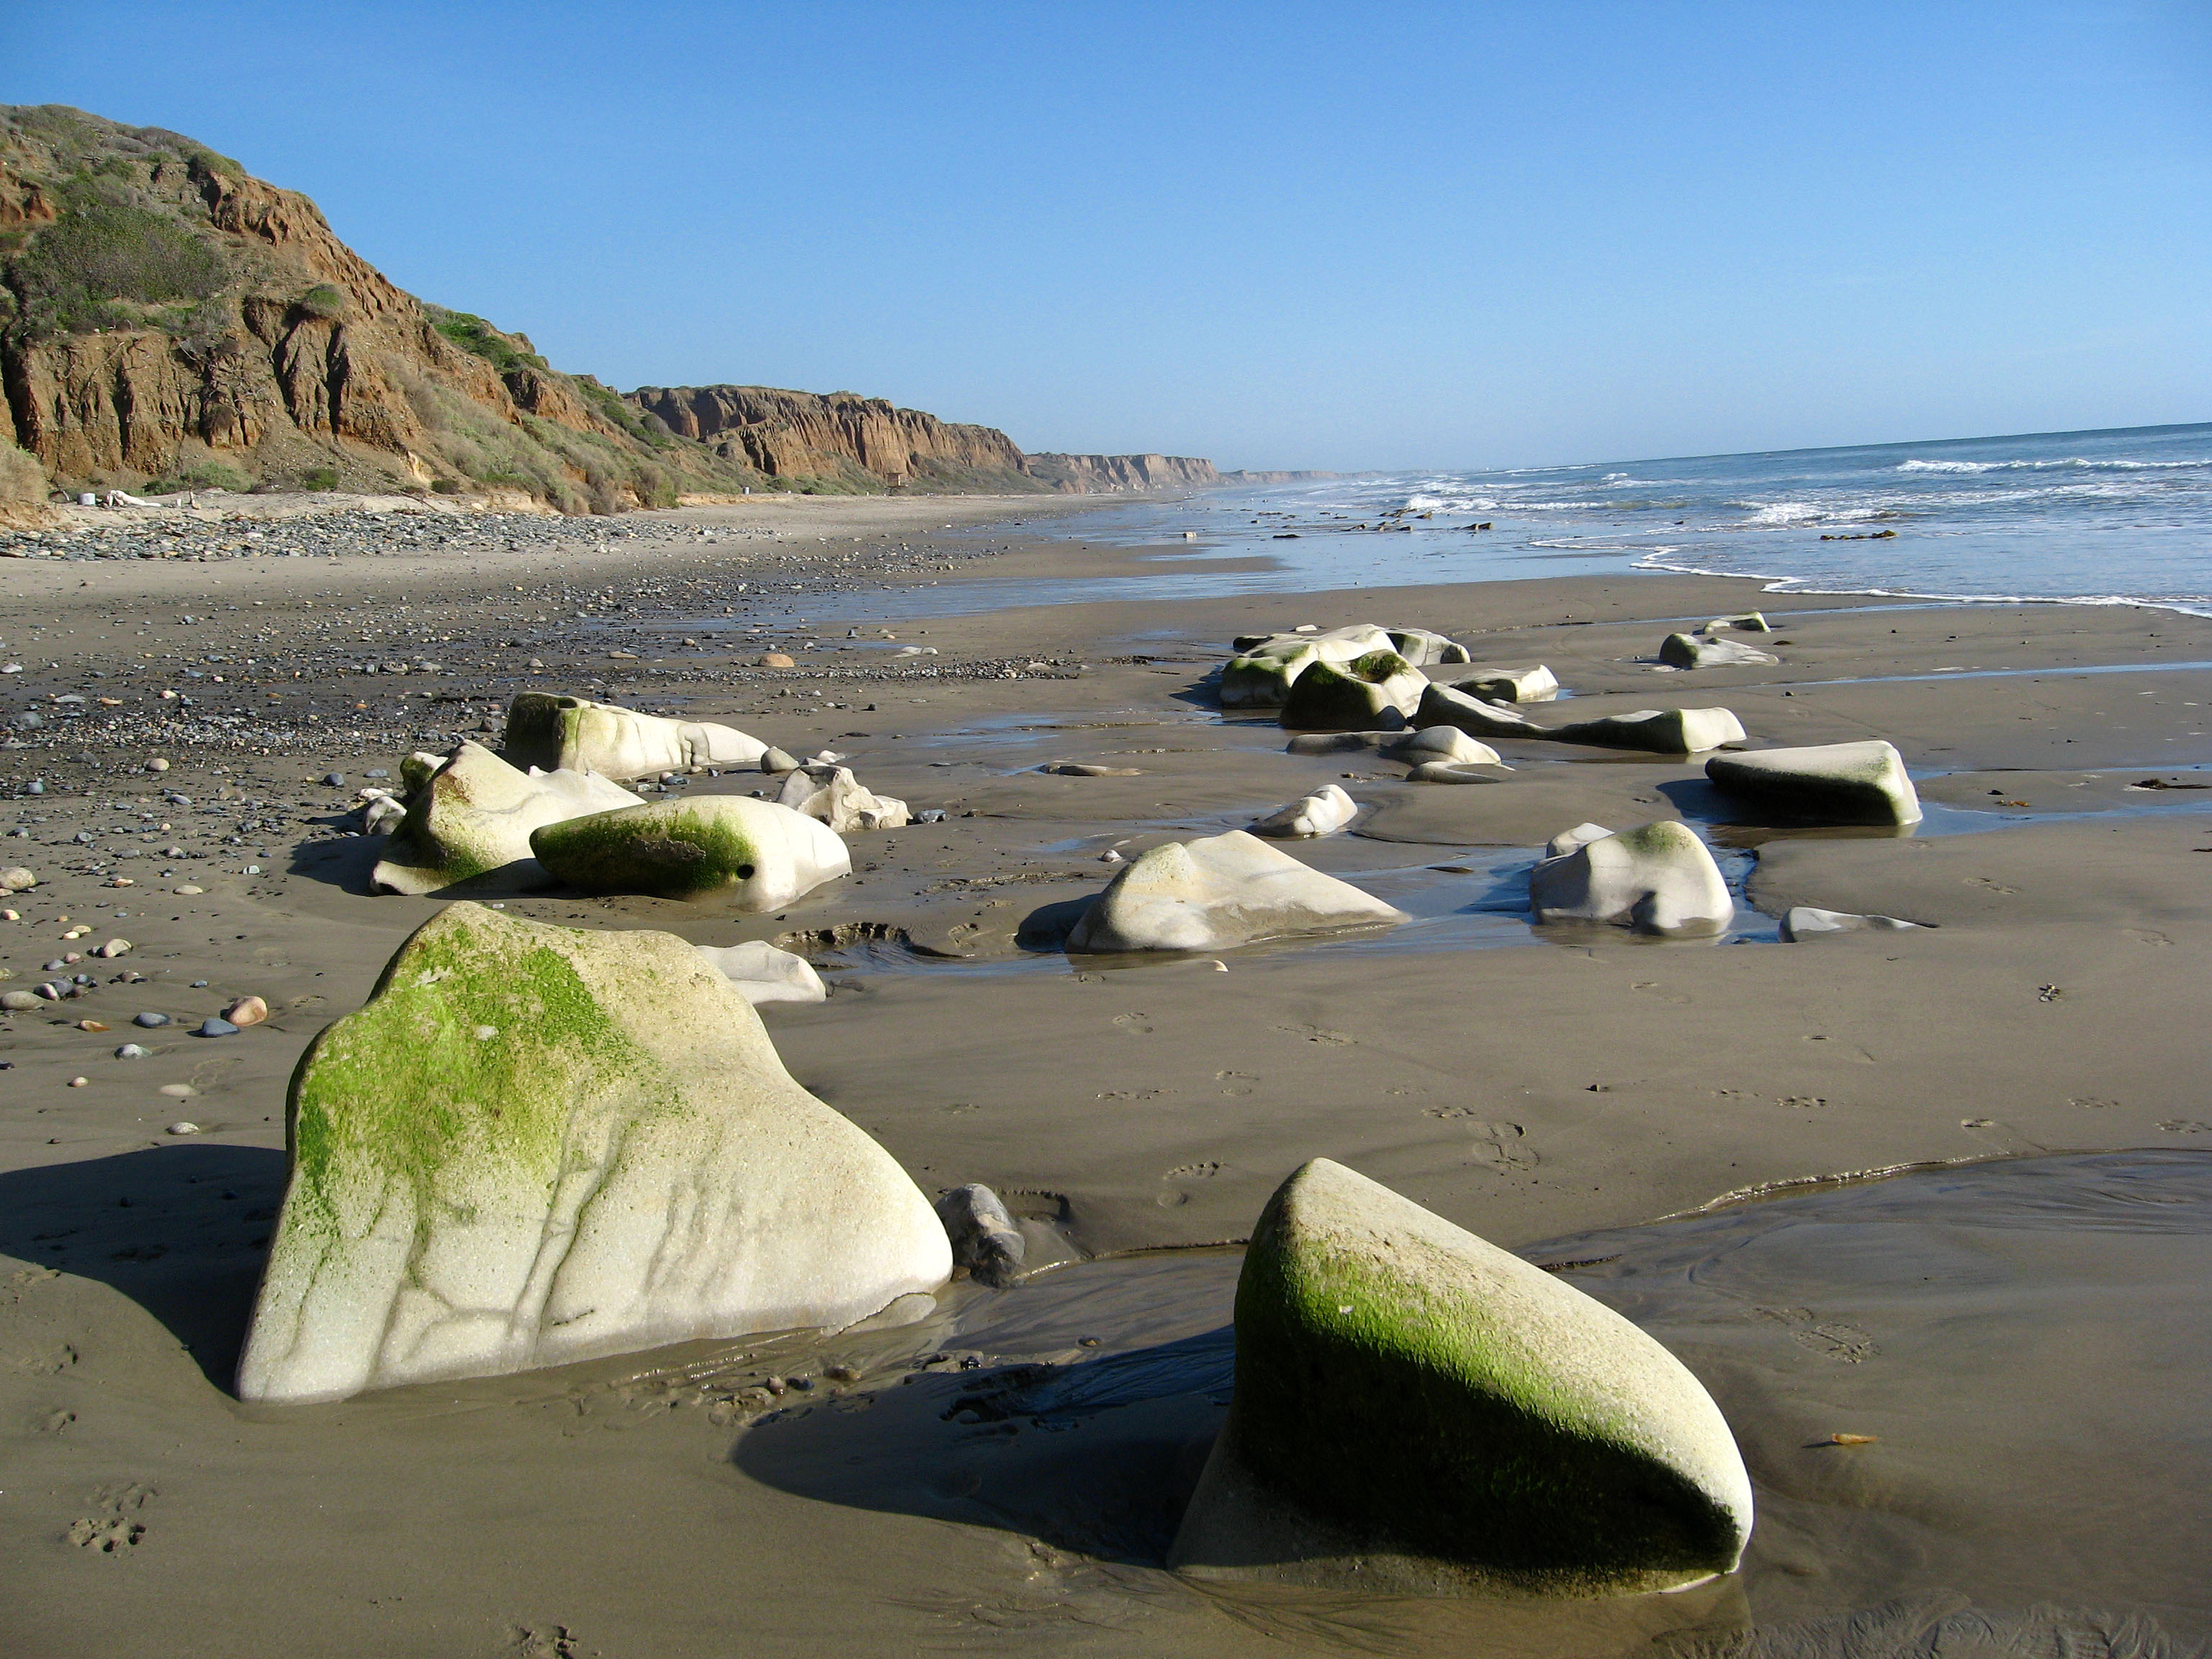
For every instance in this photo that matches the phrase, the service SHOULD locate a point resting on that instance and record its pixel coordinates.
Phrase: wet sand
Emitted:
(2017, 1333)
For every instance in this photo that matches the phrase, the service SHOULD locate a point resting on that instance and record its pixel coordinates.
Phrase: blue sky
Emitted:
(1275, 234)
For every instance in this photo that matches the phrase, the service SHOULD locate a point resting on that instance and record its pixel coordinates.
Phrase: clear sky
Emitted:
(1277, 235)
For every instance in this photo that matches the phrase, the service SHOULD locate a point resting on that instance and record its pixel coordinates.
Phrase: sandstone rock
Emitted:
(381, 816)
(1527, 683)
(112, 949)
(1654, 878)
(1439, 743)
(1328, 810)
(473, 815)
(1803, 922)
(17, 879)
(774, 659)
(1657, 731)
(1751, 621)
(1445, 705)
(246, 1010)
(1416, 1411)
(19, 1002)
(1863, 783)
(1337, 743)
(1687, 651)
(577, 735)
(833, 795)
(762, 973)
(985, 1240)
(1422, 649)
(755, 854)
(1380, 688)
(535, 1145)
(774, 762)
(1218, 891)
(1088, 770)
(1266, 666)
(1453, 772)
(1568, 841)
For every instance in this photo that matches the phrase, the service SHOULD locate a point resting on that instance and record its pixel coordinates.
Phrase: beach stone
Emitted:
(762, 973)
(774, 761)
(112, 949)
(1380, 688)
(19, 1002)
(1804, 921)
(754, 853)
(246, 1010)
(623, 1163)
(1445, 705)
(1440, 742)
(183, 1127)
(1654, 878)
(471, 815)
(774, 659)
(1220, 891)
(832, 795)
(132, 1051)
(1751, 621)
(17, 879)
(1266, 666)
(1424, 648)
(1328, 810)
(382, 815)
(1687, 651)
(574, 734)
(1450, 772)
(1498, 682)
(984, 1238)
(150, 1020)
(1418, 1411)
(1336, 743)
(1863, 783)
(1657, 731)
(214, 1027)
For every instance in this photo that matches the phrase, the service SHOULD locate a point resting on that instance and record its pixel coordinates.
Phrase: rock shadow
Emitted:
(182, 1231)
(1046, 927)
(1099, 1457)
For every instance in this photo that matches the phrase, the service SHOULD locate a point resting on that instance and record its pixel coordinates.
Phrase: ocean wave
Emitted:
(2081, 462)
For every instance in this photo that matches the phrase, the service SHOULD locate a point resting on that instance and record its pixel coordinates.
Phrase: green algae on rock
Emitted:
(470, 814)
(577, 734)
(758, 854)
(1355, 695)
(1417, 1410)
(537, 1145)
(1860, 783)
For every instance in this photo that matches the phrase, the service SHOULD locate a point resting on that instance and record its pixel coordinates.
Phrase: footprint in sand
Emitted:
(1135, 1024)
(112, 1527)
(1205, 1171)
(1500, 1146)
(1833, 1339)
(544, 1642)
(2003, 1136)
(1316, 1034)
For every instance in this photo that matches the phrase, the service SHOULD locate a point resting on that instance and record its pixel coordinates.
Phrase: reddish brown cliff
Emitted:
(863, 442)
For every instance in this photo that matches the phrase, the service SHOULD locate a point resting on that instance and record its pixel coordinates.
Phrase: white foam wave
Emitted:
(2079, 461)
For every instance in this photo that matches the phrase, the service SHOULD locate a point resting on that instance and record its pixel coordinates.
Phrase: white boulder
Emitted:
(537, 1145)
(1520, 682)
(1751, 621)
(832, 795)
(1380, 688)
(469, 814)
(1654, 878)
(1658, 730)
(1266, 666)
(755, 854)
(580, 735)
(1424, 648)
(1803, 922)
(762, 973)
(1440, 742)
(1220, 891)
(1863, 783)
(1689, 651)
(1328, 810)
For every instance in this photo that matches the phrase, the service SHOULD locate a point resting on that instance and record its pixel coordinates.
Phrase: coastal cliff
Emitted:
(1109, 475)
(860, 442)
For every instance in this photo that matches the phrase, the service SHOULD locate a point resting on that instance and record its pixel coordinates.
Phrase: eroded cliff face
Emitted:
(1114, 475)
(166, 316)
(863, 442)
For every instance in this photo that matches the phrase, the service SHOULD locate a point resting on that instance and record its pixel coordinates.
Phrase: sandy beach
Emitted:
(2017, 1323)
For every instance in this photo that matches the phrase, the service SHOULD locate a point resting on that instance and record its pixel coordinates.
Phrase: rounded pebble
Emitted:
(150, 1020)
(132, 1051)
(187, 891)
(212, 1027)
(246, 1010)
(79, 1082)
(18, 1002)
(157, 764)
(183, 1128)
(179, 1091)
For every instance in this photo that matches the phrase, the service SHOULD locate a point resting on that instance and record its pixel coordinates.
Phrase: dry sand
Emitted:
(2025, 1337)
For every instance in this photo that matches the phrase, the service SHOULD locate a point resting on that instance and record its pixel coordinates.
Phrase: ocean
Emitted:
(2102, 518)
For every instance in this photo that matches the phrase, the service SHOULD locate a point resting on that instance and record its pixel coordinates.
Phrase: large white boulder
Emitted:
(1380, 688)
(1328, 810)
(1510, 682)
(762, 973)
(753, 853)
(535, 1145)
(583, 736)
(1657, 731)
(1863, 783)
(1804, 921)
(1416, 1410)
(1433, 743)
(1220, 891)
(832, 795)
(469, 814)
(1423, 647)
(1654, 878)
(1445, 705)
(1266, 666)
(1687, 651)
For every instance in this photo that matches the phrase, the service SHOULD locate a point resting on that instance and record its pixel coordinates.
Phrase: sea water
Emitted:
(2116, 517)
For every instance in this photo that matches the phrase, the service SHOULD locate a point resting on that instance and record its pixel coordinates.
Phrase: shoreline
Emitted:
(1532, 1084)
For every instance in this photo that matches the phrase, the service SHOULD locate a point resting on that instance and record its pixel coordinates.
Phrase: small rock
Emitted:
(132, 1051)
(178, 1091)
(91, 1025)
(985, 1240)
(187, 891)
(930, 815)
(157, 764)
(18, 1002)
(150, 1020)
(212, 1027)
(183, 1127)
(113, 948)
(79, 1082)
(775, 761)
(377, 772)
(335, 779)
(774, 659)
(246, 1010)
(18, 880)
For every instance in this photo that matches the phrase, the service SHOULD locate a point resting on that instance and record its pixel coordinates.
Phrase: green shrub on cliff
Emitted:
(474, 335)
(102, 255)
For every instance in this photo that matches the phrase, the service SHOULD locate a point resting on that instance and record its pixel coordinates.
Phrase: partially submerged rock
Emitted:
(1424, 648)
(1416, 1411)
(762, 973)
(1445, 705)
(470, 814)
(1378, 689)
(1522, 683)
(832, 795)
(1863, 783)
(1455, 772)
(579, 735)
(1687, 651)
(1439, 743)
(1750, 622)
(1656, 731)
(1266, 666)
(1803, 922)
(1654, 878)
(756, 855)
(1220, 891)
(1328, 810)
(535, 1145)
(984, 1238)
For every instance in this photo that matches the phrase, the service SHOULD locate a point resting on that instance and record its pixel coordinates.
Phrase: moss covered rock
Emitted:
(758, 855)
(470, 815)
(1266, 666)
(1417, 1410)
(582, 736)
(1378, 689)
(536, 1144)
(1654, 879)
(1863, 783)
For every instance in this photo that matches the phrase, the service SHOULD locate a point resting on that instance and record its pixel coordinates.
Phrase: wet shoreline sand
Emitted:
(1532, 1085)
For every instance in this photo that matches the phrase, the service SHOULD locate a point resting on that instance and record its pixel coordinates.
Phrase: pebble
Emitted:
(187, 891)
(212, 1027)
(157, 764)
(246, 1010)
(179, 1091)
(18, 1002)
(112, 949)
(79, 1082)
(183, 1128)
(91, 1025)
(132, 1051)
(335, 779)
(17, 879)
(150, 1020)
(774, 659)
